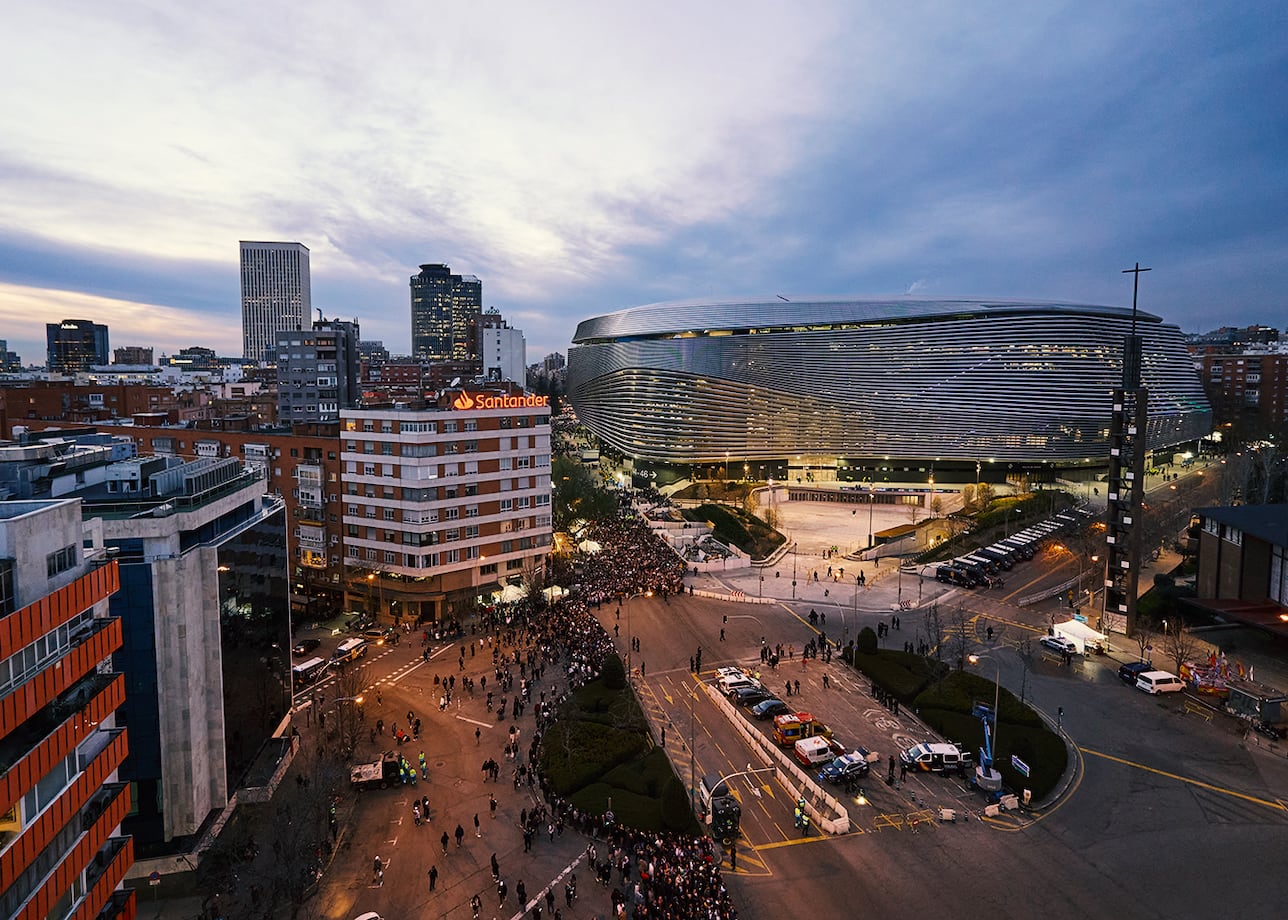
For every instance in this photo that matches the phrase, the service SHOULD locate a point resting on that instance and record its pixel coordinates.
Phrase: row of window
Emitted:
(34, 657)
(447, 426)
(369, 556)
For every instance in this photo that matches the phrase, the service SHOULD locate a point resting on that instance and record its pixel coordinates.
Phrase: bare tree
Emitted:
(935, 630)
(348, 715)
(1180, 645)
(1144, 636)
(968, 498)
(958, 638)
(1025, 648)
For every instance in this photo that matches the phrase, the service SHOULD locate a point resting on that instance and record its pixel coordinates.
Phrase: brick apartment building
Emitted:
(1242, 383)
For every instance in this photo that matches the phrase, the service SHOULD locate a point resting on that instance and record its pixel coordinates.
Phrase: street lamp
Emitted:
(871, 505)
(380, 600)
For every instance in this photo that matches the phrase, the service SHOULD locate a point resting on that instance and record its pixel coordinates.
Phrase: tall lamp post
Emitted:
(871, 505)
(380, 599)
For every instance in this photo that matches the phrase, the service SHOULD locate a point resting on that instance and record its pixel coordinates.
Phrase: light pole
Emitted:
(997, 695)
(871, 506)
(380, 599)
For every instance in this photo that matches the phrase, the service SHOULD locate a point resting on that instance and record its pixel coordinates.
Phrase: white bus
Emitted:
(309, 671)
(349, 650)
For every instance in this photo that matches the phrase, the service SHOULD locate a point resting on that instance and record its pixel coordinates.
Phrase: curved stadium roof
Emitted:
(677, 317)
(1011, 380)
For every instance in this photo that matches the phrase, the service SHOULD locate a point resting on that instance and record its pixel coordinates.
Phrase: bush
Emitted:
(903, 674)
(867, 641)
(613, 674)
(576, 753)
(677, 814)
(738, 528)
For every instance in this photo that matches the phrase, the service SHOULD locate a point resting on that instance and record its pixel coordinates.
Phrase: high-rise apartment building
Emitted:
(502, 351)
(62, 801)
(10, 361)
(275, 294)
(441, 307)
(1243, 384)
(317, 371)
(442, 505)
(75, 345)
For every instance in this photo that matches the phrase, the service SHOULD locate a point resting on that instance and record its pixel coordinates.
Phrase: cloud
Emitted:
(25, 310)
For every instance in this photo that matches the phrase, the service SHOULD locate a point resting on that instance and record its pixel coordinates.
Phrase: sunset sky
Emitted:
(586, 157)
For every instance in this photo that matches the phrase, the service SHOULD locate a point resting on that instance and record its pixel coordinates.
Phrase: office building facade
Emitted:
(444, 504)
(75, 345)
(276, 294)
(318, 371)
(442, 305)
(845, 380)
(62, 744)
(502, 351)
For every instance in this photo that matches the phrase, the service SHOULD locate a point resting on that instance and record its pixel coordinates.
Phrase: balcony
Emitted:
(121, 905)
(48, 719)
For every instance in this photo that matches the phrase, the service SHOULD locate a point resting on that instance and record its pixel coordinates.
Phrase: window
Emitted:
(451, 555)
(471, 510)
(58, 562)
(451, 536)
(507, 504)
(389, 514)
(449, 427)
(471, 424)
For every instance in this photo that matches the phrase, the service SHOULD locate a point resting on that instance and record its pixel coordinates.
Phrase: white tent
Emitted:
(554, 592)
(589, 547)
(1082, 635)
(509, 594)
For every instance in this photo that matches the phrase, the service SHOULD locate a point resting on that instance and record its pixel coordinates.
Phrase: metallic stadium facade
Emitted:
(1015, 382)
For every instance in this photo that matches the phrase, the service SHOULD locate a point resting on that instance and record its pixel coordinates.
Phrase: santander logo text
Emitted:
(490, 401)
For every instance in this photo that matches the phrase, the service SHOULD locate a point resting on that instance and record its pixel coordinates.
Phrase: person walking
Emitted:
(433, 877)
(460, 836)
(496, 869)
(444, 840)
(378, 872)
(500, 892)
(522, 893)
(491, 805)
(478, 831)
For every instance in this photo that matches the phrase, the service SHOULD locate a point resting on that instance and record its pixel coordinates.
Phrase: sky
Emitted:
(582, 157)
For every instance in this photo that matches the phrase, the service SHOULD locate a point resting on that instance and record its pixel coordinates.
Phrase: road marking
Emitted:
(1273, 804)
(794, 841)
(477, 722)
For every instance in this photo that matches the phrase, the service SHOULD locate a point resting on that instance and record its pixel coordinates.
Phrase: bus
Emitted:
(309, 671)
(349, 650)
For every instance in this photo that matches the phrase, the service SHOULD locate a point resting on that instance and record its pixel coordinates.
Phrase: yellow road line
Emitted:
(1266, 803)
(796, 840)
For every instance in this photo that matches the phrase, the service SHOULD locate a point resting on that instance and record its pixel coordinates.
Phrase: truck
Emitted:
(793, 726)
(378, 774)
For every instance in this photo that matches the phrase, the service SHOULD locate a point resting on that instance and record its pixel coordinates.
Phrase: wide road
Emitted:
(1167, 813)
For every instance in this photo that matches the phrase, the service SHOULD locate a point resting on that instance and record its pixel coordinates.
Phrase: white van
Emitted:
(815, 750)
(1159, 682)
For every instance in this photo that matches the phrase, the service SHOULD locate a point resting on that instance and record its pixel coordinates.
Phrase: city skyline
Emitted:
(581, 164)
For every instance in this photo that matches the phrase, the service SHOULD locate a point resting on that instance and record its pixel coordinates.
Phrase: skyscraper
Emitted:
(75, 345)
(275, 294)
(441, 307)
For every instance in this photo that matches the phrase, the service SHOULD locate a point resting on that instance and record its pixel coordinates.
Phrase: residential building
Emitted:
(85, 402)
(301, 466)
(132, 354)
(502, 352)
(1241, 384)
(75, 345)
(441, 307)
(372, 352)
(317, 371)
(1243, 565)
(275, 294)
(62, 741)
(201, 551)
(443, 504)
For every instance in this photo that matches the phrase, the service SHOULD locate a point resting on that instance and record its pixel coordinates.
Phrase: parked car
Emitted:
(1059, 644)
(853, 765)
(1153, 682)
(769, 708)
(748, 696)
(1128, 672)
(304, 646)
(377, 635)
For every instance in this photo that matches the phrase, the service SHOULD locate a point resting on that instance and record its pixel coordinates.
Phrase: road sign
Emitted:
(154, 878)
(1019, 766)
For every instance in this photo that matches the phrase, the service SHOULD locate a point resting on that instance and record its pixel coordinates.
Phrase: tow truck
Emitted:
(793, 726)
(379, 774)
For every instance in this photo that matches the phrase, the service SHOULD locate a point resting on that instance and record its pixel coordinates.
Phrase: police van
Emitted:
(307, 672)
(349, 650)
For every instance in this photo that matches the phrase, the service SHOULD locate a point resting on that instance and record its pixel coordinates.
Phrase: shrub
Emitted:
(613, 674)
(677, 815)
(576, 753)
(867, 641)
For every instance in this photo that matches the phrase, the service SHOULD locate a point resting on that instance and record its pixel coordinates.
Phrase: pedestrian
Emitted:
(476, 905)
(722, 637)
(478, 733)
(496, 868)
(500, 892)
(550, 900)
(445, 838)
(521, 893)
(460, 836)
(491, 804)
(798, 688)
(433, 877)
(378, 872)
(663, 736)
(478, 831)
(827, 682)
(903, 771)
(789, 688)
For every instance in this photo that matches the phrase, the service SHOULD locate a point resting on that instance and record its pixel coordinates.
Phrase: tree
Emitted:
(969, 504)
(1179, 644)
(1144, 635)
(958, 639)
(866, 644)
(613, 674)
(935, 630)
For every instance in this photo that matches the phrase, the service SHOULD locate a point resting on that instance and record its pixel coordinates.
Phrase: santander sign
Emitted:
(468, 400)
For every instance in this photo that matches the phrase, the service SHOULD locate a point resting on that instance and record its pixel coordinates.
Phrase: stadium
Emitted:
(844, 384)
